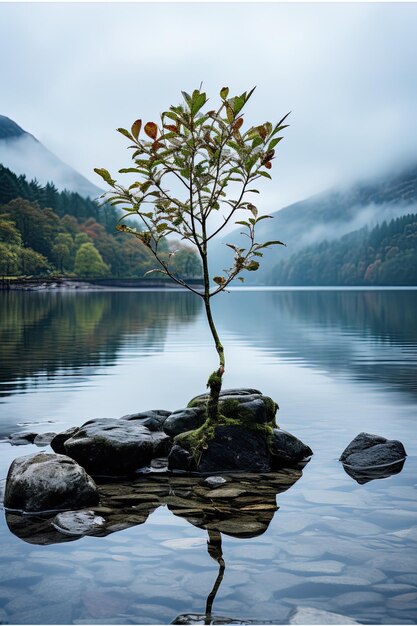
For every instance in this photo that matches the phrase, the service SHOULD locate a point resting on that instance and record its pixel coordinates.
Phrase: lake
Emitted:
(337, 361)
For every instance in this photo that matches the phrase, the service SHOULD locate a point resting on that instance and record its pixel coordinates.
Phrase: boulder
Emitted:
(287, 450)
(57, 443)
(114, 447)
(154, 420)
(233, 448)
(367, 450)
(246, 405)
(45, 482)
(184, 420)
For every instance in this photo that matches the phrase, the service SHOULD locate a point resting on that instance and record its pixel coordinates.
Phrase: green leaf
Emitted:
(252, 266)
(124, 132)
(224, 92)
(264, 217)
(128, 170)
(198, 101)
(242, 223)
(160, 228)
(265, 174)
(273, 143)
(186, 97)
(271, 243)
(242, 280)
(105, 175)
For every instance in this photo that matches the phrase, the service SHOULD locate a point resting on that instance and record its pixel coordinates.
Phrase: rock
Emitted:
(246, 405)
(154, 420)
(287, 450)
(310, 615)
(44, 439)
(21, 439)
(181, 460)
(184, 420)
(78, 522)
(114, 447)
(45, 482)
(367, 450)
(236, 448)
(214, 481)
(57, 443)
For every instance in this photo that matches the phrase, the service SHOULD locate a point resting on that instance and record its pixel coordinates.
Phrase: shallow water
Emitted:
(337, 361)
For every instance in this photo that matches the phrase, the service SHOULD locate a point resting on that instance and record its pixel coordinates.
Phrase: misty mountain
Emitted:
(24, 154)
(327, 216)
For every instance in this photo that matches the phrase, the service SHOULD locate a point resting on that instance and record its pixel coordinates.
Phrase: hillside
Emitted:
(384, 255)
(330, 215)
(24, 154)
(44, 231)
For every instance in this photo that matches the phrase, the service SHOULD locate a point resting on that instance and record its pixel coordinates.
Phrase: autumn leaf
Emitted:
(151, 129)
(136, 126)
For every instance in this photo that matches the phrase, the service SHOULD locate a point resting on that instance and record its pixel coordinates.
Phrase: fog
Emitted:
(72, 73)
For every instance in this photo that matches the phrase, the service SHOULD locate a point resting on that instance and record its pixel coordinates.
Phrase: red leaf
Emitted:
(136, 126)
(151, 129)
(238, 123)
(268, 165)
(156, 145)
(171, 127)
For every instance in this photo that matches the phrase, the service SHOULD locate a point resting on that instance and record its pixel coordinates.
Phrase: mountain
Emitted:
(328, 216)
(24, 154)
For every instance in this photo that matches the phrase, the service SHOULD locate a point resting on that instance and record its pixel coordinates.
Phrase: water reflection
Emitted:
(369, 335)
(67, 333)
(364, 475)
(243, 508)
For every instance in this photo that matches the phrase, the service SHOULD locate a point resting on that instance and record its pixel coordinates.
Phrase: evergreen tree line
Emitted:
(383, 255)
(47, 232)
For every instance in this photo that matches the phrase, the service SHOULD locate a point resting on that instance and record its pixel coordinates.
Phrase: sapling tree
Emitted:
(189, 167)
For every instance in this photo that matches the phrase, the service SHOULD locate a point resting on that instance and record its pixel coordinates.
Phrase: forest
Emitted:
(383, 255)
(46, 232)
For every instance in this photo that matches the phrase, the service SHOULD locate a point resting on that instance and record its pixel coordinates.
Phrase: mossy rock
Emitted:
(247, 406)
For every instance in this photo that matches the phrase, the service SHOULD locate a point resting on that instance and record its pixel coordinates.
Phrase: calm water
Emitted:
(337, 362)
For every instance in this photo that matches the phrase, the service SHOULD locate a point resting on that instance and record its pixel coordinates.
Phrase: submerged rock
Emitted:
(364, 475)
(368, 451)
(114, 447)
(78, 523)
(184, 420)
(21, 439)
(311, 615)
(44, 439)
(45, 482)
(287, 450)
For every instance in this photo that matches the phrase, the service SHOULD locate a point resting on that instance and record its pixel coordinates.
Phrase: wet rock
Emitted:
(78, 522)
(246, 405)
(44, 439)
(114, 447)
(201, 618)
(236, 448)
(21, 439)
(287, 450)
(180, 459)
(183, 420)
(154, 419)
(214, 481)
(367, 450)
(57, 443)
(42, 482)
(310, 615)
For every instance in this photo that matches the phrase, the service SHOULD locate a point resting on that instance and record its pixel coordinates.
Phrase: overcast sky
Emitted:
(72, 73)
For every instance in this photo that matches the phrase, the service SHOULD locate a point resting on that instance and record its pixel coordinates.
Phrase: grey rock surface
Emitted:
(44, 482)
(57, 443)
(21, 439)
(287, 450)
(114, 447)
(154, 419)
(367, 450)
(43, 439)
(184, 420)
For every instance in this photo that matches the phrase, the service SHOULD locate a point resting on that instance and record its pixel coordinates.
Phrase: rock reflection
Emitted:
(364, 475)
(242, 507)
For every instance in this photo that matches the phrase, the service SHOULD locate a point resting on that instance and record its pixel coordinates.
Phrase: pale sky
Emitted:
(72, 73)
